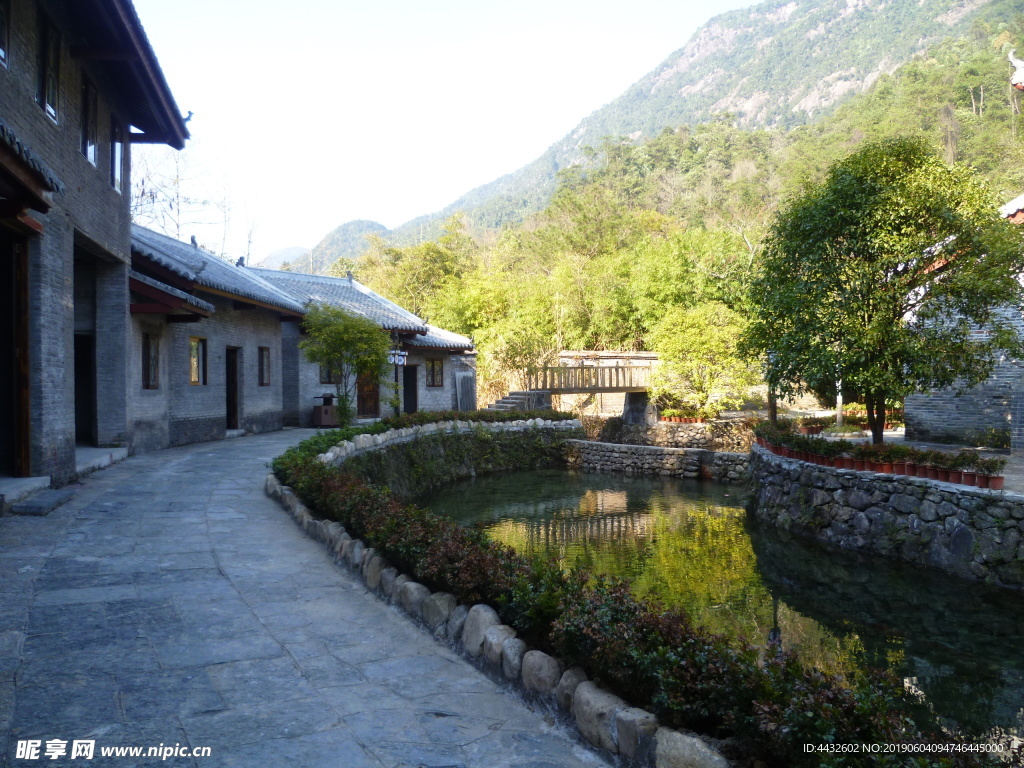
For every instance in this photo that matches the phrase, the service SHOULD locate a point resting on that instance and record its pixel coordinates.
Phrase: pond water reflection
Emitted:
(689, 543)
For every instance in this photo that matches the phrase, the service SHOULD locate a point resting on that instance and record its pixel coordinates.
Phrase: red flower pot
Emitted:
(969, 478)
(995, 482)
(956, 476)
(943, 476)
(858, 464)
(984, 481)
(933, 473)
(899, 467)
(885, 467)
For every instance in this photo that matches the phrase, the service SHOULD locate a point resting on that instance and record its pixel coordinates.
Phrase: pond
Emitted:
(689, 543)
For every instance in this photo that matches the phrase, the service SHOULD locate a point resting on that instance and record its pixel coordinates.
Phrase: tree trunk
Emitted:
(773, 408)
(875, 403)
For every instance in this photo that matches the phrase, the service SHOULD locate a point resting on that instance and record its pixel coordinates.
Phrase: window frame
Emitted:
(197, 358)
(117, 155)
(48, 67)
(5, 34)
(263, 366)
(327, 375)
(434, 367)
(150, 361)
(90, 121)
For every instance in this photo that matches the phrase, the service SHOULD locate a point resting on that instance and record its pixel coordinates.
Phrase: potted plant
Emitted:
(960, 461)
(899, 455)
(990, 472)
(942, 461)
(969, 472)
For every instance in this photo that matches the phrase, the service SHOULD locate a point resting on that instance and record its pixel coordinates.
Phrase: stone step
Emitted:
(42, 502)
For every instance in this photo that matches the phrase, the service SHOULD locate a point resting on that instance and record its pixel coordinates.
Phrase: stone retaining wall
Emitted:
(970, 532)
(604, 720)
(720, 435)
(654, 460)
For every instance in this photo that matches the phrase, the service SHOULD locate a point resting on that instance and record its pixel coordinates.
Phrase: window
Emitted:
(48, 85)
(327, 375)
(197, 361)
(435, 373)
(5, 32)
(150, 361)
(264, 366)
(90, 108)
(116, 154)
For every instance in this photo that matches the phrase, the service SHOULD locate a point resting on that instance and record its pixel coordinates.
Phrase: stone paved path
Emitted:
(171, 602)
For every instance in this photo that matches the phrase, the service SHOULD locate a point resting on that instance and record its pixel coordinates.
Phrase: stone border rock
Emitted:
(603, 719)
(973, 533)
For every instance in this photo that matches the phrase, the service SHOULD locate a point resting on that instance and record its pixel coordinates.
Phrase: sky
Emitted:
(311, 113)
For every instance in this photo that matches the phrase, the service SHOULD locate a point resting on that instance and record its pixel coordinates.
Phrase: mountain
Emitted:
(277, 258)
(781, 63)
(345, 242)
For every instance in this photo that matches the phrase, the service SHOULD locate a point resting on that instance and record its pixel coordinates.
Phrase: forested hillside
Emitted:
(650, 236)
(782, 63)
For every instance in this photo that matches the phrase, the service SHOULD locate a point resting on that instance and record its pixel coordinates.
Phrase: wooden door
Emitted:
(410, 390)
(368, 397)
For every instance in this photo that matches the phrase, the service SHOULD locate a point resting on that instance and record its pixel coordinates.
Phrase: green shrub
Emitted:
(655, 658)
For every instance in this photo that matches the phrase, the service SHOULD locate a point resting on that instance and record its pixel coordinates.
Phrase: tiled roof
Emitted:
(31, 159)
(207, 270)
(439, 338)
(187, 297)
(1012, 207)
(345, 293)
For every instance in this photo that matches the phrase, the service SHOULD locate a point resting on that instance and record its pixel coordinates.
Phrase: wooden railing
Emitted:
(580, 379)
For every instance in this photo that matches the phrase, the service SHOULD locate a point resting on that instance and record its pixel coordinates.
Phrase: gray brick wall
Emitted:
(90, 211)
(976, 416)
(199, 412)
(150, 408)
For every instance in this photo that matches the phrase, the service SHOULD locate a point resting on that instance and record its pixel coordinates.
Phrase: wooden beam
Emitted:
(161, 273)
(162, 297)
(84, 53)
(137, 308)
(37, 196)
(183, 318)
(254, 302)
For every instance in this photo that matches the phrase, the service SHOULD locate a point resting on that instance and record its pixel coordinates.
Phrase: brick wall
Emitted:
(976, 416)
(150, 408)
(89, 211)
(199, 412)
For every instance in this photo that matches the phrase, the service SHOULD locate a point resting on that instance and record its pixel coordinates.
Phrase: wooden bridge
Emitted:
(585, 379)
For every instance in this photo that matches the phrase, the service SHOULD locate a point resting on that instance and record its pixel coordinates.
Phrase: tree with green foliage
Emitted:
(699, 360)
(881, 276)
(349, 346)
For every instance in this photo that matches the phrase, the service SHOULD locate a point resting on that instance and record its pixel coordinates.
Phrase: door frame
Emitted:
(20, 439)
(232, 394)
(410, 394)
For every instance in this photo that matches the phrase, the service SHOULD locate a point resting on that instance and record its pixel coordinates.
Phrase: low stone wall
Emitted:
(654, 460)
(720, 435)
(442, 453)
(970, 532)
(603, 719)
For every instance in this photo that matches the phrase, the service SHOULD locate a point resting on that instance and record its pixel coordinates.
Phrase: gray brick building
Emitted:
(440, 368)
(79, 83)
(204, 346)
(991, 413)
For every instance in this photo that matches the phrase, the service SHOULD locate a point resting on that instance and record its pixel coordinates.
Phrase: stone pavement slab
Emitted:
(171, 602)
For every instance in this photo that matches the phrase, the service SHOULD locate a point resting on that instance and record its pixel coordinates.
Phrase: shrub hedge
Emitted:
(764, 704)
